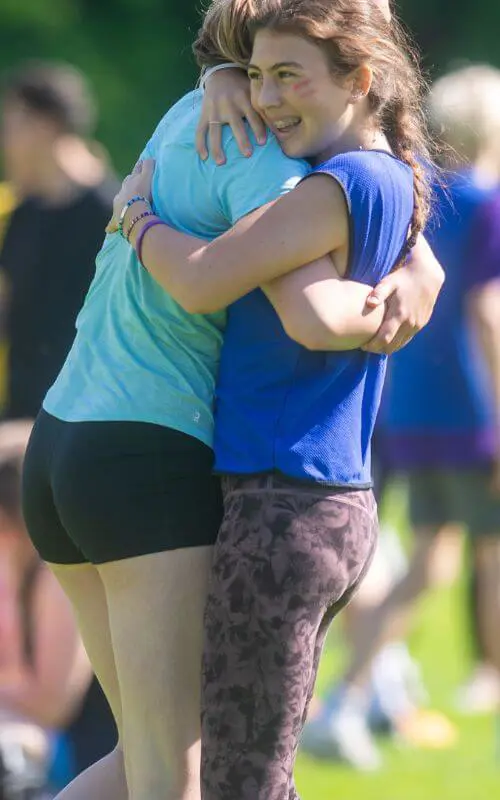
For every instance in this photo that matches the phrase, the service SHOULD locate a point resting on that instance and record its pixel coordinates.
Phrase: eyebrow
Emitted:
(280, 65)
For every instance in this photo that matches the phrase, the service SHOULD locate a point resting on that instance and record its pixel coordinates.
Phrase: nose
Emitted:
(269, 94)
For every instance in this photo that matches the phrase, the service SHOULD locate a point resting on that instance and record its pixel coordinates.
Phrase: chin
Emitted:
(295, 149)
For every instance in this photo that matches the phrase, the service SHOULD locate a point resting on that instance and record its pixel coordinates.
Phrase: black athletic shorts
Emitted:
(103, 491)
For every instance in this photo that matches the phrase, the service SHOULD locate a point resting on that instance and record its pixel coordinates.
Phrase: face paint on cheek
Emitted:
(304, 88)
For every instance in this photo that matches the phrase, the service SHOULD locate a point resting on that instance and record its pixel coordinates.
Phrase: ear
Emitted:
(360, 83)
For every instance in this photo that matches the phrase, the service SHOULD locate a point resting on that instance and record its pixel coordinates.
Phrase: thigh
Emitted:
(156, 605)
(430, 505)
(285, 562)
(43, 523)
(85, 591)
(478, 506)
(124, 490)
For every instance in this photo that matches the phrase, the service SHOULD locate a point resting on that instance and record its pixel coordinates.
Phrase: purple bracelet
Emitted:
(140, 237)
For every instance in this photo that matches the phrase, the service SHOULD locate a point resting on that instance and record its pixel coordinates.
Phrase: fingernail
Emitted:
(220, 161)
(261, 139)
(247, 153)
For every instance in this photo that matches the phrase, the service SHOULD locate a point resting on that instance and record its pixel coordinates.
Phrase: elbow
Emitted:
(194, 301)
(198, 306)
(311, 337)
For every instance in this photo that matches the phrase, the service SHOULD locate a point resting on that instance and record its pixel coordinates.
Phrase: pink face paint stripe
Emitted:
(303, 88)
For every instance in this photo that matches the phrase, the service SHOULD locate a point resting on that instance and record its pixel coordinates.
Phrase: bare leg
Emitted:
(156, 605)
(390, 619)
(83, 586)
(488, 594)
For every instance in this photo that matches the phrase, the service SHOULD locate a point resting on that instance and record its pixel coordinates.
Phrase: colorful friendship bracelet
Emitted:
(140, 238)
(137, 219)
(136, 199)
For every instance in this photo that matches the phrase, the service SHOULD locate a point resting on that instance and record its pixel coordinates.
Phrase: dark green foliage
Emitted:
(137, 53)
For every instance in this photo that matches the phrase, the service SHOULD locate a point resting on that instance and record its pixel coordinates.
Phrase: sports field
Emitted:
(468, 771)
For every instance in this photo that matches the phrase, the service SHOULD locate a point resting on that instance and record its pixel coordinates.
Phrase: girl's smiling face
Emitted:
(294, 90)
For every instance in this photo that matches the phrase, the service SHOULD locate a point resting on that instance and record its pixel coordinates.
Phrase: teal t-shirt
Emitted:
(137, 355)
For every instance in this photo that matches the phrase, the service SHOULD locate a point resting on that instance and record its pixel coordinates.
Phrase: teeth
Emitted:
(281, 125)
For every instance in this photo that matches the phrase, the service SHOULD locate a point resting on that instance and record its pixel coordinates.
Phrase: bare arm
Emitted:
(307, 223)
(409, 294)
(484, 311)
(322, 311)
(50, 691)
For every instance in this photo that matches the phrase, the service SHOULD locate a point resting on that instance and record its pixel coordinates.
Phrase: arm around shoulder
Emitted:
(322, 311)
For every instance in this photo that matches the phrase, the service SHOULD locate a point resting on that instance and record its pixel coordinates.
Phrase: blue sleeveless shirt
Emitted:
(310, 415)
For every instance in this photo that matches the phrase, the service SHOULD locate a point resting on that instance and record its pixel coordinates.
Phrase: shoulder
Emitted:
(378, 190)
(373, 170)
(244, 184)
(267, 163)
(183, 113)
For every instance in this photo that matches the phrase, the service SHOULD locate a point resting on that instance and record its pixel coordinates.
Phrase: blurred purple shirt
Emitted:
(438, 408)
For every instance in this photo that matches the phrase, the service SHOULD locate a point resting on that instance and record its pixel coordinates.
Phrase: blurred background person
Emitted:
(44, 671)
(441, 420)
(64, 191)
(56, 202)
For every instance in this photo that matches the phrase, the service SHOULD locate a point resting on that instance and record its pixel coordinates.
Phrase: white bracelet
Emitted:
(208, 71)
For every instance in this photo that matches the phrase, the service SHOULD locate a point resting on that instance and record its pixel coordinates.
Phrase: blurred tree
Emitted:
(137, 53)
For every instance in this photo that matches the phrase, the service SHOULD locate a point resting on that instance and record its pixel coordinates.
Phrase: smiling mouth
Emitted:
(284, 128)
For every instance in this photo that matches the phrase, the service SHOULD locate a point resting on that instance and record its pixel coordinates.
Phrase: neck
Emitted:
(49, 183)
(69, 166)
(354, 138)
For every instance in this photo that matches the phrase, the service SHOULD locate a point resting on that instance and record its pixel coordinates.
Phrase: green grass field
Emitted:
(468, 771)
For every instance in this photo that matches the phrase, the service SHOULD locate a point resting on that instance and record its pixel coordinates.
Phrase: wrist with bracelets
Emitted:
(128, 227)
(126, 208)
(135, 220)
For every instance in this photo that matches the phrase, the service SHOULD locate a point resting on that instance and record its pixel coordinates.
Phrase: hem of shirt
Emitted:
(420, 450)
(189, 430)
(302, 481)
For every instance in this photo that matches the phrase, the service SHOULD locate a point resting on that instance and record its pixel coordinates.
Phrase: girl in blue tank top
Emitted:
(295, 411)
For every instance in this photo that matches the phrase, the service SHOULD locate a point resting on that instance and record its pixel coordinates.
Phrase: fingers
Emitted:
(238, 127)
(236, 115)
(397, 329)
(111, 227)
(391, 337)
(147, 167)
(201, 138)
(257, 125)
(383, 291)
(215, 142)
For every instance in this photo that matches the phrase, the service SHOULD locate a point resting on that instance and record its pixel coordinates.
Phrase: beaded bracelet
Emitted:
(140, 237)
(136, 220)
(136, 199)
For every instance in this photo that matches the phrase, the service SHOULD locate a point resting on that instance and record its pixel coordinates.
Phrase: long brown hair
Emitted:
(350, 33)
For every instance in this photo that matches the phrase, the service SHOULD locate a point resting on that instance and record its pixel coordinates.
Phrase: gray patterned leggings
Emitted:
(288, 558)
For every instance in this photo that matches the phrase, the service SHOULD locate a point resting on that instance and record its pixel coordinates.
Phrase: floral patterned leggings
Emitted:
(288, 558)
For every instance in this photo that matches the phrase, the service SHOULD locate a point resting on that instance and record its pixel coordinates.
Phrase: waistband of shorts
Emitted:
(273, 483)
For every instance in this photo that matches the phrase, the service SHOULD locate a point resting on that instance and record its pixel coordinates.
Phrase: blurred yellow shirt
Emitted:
(7, 206)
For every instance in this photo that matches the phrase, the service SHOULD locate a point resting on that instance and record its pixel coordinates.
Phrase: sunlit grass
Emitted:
(468, 771)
